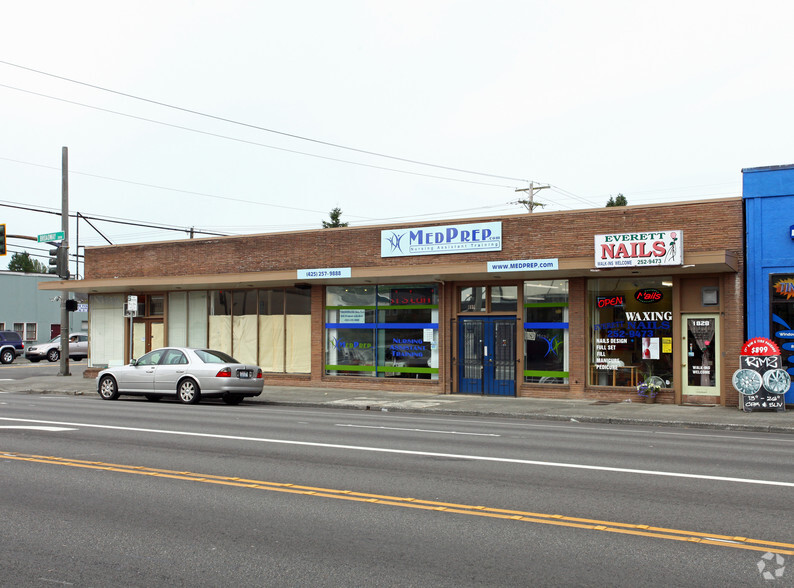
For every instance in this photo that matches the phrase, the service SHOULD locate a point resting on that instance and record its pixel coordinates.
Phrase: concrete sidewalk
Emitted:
(586, 411)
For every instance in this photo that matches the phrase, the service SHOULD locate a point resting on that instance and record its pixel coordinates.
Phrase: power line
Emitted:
(571, 195)
(112, 220)
(255, 143)
(229, 198)
(267, 130)
(155, 186)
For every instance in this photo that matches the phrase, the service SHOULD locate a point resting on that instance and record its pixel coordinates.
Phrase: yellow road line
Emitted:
(447, 507)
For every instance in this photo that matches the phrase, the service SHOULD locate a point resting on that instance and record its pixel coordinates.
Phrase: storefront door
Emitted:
(487, 356)
(147, 334)
(700, 354)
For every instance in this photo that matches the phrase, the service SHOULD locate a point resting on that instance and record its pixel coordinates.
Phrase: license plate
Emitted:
(244, 374)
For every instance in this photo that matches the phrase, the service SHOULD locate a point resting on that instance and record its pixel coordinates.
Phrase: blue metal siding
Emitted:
(769, 213)
(768, 194)
(22, 302)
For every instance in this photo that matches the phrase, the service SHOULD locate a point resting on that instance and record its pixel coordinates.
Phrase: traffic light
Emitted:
(59, 261)
(3, 250)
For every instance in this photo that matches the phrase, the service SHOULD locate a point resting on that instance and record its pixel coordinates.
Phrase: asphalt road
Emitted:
(133, 493)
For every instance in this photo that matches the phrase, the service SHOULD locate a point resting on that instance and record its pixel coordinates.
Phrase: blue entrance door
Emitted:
(487, 356)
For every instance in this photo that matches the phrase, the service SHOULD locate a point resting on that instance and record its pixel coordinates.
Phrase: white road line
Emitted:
(419, 430)
(575, 466)
(37, 428)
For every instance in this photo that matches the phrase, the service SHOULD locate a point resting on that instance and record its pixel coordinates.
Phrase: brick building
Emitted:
(553, 304)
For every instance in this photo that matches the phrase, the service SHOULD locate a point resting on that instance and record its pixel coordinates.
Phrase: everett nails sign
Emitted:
(639, 249)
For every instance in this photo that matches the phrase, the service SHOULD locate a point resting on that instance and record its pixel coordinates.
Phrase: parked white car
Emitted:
(51, 351)
(183, 373)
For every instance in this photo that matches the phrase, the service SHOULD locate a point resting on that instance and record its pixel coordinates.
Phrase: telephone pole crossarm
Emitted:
(531, 191)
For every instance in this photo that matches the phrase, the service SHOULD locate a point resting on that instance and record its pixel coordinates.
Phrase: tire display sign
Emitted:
(761, 380)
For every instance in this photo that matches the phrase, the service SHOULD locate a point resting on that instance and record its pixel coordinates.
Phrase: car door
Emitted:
(166, 375)
(78, 345)
(139, 377)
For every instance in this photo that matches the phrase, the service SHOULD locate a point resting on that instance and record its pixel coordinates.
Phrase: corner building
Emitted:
(579, 304)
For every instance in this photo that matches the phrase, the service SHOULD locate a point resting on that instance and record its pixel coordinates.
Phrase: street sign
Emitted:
(47, 237)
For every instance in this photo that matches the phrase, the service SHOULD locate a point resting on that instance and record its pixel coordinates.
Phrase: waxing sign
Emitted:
(649, 248)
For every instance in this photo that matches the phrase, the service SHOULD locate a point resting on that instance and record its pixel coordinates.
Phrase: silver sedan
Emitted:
(186, 373)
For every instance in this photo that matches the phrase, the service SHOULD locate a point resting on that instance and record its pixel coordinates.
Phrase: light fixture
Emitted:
(710, 296)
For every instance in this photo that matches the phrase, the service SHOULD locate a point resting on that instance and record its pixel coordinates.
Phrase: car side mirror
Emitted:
(133, 362)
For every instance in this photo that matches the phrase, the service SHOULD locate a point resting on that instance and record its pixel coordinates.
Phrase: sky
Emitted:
(241, 117)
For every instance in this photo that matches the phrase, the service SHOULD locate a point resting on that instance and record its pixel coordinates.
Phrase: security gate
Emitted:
(487, 356)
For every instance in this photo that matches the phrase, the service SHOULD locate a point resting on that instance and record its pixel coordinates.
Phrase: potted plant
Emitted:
(649, 388)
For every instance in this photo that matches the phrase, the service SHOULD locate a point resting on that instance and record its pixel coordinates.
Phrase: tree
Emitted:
(619, 200)
(335, 221)
(22, 262)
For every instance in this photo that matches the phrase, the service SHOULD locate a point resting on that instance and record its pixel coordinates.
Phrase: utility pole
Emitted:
(64, 371)
(530, 201)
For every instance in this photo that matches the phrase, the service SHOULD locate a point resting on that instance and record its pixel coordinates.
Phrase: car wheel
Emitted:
(188, 391)
(53, 355)
(7, 356)
(233, 398)
(153, 397)
(108, 389)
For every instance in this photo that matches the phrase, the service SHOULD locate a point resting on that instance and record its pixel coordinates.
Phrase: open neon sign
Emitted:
(608, 301)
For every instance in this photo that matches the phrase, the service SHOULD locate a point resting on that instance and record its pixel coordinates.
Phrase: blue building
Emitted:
(34, 314)
(768, 194)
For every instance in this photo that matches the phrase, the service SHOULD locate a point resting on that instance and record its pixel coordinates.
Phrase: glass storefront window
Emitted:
(781, 328)
(220, 321)
(546, 331)
(156, 305)
(177, 319)
(244, 326)
(284, 330)
(197, 327)
(504, 298)
(268, 327)
(298, 326)
(187, 319)
(388, 331)
(271, 302)
(472, 299)
(631, 330)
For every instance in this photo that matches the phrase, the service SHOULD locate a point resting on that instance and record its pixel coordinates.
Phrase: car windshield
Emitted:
(212, 356)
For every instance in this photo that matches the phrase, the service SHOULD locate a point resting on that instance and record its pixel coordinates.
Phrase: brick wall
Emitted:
(707, 226)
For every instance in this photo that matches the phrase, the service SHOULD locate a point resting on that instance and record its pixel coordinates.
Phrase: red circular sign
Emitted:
(760, 346)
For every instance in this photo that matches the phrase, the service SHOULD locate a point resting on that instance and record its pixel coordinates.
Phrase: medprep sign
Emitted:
(640, 249)
(437, 240)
